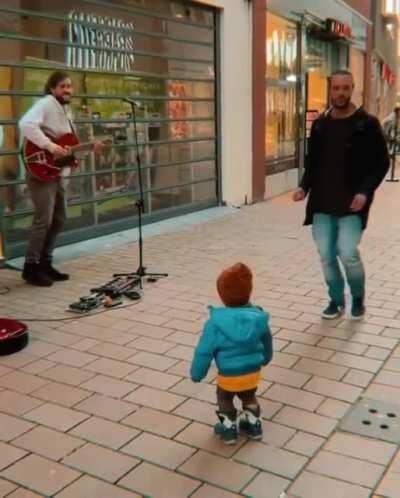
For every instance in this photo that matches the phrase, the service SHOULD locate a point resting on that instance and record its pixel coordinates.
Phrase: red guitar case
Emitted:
(14, 336)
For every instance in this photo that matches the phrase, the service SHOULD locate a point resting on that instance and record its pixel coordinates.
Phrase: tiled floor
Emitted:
(102, 407)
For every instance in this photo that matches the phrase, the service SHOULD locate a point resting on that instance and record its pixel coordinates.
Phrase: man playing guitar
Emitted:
(49, 116)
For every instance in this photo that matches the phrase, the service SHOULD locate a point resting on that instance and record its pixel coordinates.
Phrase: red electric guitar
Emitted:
(44, 166)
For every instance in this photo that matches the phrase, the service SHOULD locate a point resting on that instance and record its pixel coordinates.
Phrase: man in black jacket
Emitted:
(347, 160)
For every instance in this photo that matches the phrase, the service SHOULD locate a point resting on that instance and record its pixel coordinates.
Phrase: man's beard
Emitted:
(64, 100)
(342, 105)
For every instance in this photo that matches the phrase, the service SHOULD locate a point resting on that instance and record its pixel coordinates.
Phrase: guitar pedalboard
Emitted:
(108, 295)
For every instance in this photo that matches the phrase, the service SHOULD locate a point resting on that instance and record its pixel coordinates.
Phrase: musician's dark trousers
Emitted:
(49, 202)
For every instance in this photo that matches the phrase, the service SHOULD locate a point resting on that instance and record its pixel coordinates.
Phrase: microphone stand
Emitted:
(141, 272)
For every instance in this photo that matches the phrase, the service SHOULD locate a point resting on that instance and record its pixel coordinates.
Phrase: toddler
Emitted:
(238, 338)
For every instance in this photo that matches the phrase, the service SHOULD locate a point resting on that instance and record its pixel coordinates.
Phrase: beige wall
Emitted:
(236, 99)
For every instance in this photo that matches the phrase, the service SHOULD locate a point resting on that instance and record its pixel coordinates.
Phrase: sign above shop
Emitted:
(387, 74)
(93, 36)
(338, 28)
(332, 30)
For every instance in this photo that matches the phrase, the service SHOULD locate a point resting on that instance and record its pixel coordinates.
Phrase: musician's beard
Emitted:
(64, 100)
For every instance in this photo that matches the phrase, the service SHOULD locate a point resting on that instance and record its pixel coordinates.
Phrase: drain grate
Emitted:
(374, 419)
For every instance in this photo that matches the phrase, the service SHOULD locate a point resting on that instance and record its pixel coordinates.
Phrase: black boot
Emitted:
(33, 274)
(52, 273)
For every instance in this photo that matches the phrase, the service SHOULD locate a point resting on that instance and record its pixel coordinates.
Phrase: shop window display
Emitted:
(281, 93)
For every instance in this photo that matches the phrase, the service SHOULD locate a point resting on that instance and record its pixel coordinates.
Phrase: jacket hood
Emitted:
(240, 325)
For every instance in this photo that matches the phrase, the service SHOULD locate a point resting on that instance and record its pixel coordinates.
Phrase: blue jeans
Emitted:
(337, 238)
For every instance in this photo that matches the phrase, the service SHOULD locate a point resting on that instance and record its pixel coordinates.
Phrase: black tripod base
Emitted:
(141, 273)
(392, 180)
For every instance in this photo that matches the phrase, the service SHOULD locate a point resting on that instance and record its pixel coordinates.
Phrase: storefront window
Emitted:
(161, 53)
(322, 58)
(281, 94)
(357, 67)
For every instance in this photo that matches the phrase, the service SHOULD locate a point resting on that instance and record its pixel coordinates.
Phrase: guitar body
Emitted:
(41, 164)
(13, 336)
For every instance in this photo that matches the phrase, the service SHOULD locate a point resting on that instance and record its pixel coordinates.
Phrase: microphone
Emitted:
(130, 101)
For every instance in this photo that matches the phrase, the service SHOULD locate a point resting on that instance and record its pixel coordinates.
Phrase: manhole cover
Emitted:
(374, 419)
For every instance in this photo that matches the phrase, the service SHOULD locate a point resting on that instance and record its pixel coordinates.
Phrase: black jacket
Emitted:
(367, 161)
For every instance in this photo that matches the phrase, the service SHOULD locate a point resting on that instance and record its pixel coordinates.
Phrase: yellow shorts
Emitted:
(239, 383)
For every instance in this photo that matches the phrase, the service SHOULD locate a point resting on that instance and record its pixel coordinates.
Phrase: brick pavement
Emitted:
(102, 407)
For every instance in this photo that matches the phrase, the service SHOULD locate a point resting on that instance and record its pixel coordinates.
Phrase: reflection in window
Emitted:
(281, 93)
(281, 122)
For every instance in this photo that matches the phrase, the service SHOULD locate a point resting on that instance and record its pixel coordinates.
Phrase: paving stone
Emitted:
(320, 368)
(21, 382)
(358, 378)
(275, 460)
(294, 397)
(309, 485)
(218, 471)
(390, 485)
(101, 462)
(393, 364)
(158, 450)
(151, 481)
(347, 469)
(23, 493)
(309, 352)
(305, 421)
(381, 392)
(202, 436)
(61, 394)
(41, 475)
(361, 448)
(208, 491)
(56, 417)
(17, 360)
(151, 331)
(305, 444)
(353, 361)
(334, 408)
(72, 358)
(201, 391)
(198, 411)
(156, 422)
(333, 389)
(37, 367)
(388, 378)
(150, 360)
(378, 353)
(9, 455)
(106, 407)
(48, 443)
(67, 375)
(6, 487)
(180, 338)
(154, 378)
(267, 485)
(284, 360)
(87, 486)
(109, 386)
(104, 432)
(343, 346)
(17, 404)
(154, 398)
(285, 376)
(12, 427)
(111, 368)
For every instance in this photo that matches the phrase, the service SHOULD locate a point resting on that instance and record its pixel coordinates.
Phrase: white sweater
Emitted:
(46, 115)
